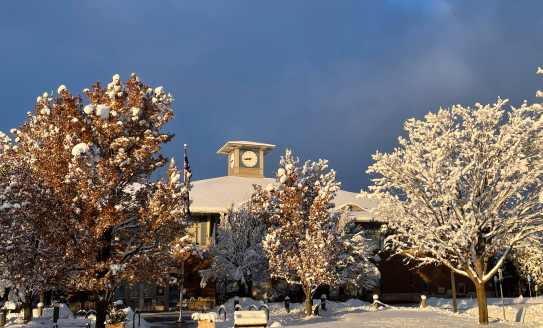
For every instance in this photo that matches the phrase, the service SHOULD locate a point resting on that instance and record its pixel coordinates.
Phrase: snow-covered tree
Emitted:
(309, 244)
(28, 263)
(237, 254)
(528, 258)
(92, 165)
(464, 185)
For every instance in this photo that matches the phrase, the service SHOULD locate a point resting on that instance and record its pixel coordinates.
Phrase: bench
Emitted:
(79, 323)
(250, 319)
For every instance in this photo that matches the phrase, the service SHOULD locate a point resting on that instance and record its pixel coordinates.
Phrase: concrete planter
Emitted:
(116, 325)
(205, 324)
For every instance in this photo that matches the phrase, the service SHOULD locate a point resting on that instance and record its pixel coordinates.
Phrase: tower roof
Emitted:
(231, 145)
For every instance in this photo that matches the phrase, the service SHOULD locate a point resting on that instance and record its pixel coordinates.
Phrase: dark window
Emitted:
(424, 288)
(190, 278)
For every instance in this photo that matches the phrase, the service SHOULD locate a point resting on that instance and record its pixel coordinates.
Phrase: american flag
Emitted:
(188, 173)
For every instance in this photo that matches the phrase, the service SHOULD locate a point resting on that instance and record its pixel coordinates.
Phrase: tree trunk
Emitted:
(241, 292)
(519, 280)
(453, 283)
(308, 301)
(103, 298)
(27, 311)
(481, 302)
(27, 307)
(250, 289)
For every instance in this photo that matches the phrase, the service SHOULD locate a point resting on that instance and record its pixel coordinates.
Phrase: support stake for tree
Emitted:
(323, 302)
(3, 316)
(423, 301)
(375, 301)
(453, 283)
(56, 312)
(40, 308)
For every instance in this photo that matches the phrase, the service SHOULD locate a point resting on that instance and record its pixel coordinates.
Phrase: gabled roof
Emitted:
(212, 195)
(231, 145)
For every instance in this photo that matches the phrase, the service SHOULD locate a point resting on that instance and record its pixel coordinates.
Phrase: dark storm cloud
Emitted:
(328, 79)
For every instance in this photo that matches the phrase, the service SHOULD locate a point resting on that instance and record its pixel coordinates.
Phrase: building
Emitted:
(245, 167)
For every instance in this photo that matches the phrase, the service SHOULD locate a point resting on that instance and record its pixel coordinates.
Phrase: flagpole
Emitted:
(182, 275)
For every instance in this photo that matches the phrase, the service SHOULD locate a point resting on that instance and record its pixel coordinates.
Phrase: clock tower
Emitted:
(245, 158)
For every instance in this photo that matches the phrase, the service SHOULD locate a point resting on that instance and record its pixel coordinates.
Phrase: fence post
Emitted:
(56, 312)
(3, 316)
(423, 298)
(40, 309)
(323, 302)
(236, 301)
(265, 298)
(287, 305)
(375, 301)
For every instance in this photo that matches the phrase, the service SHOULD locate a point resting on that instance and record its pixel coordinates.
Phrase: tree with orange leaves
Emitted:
(308, 243)
(93, 164)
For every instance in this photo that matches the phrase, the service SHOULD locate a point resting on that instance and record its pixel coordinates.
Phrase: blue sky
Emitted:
(327, 79)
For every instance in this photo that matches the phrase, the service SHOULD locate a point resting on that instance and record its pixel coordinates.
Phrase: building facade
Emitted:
(245, 167)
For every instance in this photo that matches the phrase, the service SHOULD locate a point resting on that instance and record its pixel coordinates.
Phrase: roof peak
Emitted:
(231, 145)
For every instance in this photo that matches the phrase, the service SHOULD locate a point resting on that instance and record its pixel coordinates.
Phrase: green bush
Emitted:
(117, 317)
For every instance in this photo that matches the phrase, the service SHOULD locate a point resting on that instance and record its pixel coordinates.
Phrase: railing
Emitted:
(222, 308)
(134, 318)
(267, 311)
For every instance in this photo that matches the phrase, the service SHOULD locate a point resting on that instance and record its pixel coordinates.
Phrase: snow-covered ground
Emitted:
(66, 319)
(355, 313)
(520, 312)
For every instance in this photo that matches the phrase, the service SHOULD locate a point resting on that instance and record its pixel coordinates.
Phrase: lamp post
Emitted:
(529, 288)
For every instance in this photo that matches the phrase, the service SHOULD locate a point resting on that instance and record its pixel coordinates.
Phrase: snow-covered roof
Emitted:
(212, 195)
(231, 145)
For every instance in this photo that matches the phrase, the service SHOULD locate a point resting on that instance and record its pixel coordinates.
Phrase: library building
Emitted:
(245, 167)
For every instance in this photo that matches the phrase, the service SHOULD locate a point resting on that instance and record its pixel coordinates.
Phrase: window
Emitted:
(232, 286)
(160, 295)
(372, 233)
(121, 293)
(190, 278)
(148, 294)
(174, 295)
(424, 289)
(334, 291)
(461, 289)
(134, 296)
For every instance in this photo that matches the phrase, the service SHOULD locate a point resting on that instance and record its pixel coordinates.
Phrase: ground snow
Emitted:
(356, 313)
(15, 320)
(523, 310)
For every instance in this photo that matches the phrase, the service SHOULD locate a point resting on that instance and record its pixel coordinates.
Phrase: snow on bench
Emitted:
(250, 319)
(210, 317)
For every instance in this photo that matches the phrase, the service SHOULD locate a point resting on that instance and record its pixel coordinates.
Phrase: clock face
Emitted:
(231, 160)
(249, 158)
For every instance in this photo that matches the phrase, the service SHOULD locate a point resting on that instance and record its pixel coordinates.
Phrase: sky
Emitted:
(331, 80)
